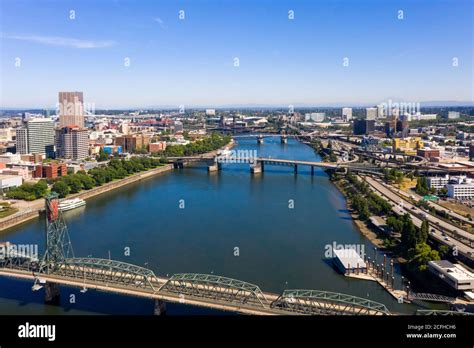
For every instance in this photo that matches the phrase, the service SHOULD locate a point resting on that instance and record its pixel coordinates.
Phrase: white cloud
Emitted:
(60, 41)
(160, 22)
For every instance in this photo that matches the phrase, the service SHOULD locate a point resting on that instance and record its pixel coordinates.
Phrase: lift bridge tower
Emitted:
(58, 244)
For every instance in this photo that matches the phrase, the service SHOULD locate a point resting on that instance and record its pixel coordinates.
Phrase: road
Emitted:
(437, 226)
(438, 207)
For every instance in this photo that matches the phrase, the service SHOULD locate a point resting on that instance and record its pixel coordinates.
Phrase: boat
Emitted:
(69, 204)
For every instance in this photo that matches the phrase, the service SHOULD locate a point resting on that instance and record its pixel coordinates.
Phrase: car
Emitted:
(432, 230)
(443, 234)
(446, 238)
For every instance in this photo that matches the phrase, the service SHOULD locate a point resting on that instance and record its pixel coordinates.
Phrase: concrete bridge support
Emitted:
(312, 170)
(178, 165)
(160, 308)
(260, 139)
(257, 168)
(296, 169)
(284, 139)
(214, 167)
(51, 293)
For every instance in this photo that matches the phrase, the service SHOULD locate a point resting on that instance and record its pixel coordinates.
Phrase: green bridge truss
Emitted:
(328, 303)
(215, 287)
(107, 271)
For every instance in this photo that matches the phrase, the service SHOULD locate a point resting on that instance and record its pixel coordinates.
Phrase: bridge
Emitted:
(58, 266)
(431, 297)
(257, 164)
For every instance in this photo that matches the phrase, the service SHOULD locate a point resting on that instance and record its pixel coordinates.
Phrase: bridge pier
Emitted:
(284, 139)
(312, 170)
(296, 169)
(257, 168)
(178, 165)
(260, 139)
(213, 168)
(160, 308)
(51, 293)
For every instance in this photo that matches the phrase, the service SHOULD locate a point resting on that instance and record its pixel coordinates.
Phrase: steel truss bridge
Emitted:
(59, 267)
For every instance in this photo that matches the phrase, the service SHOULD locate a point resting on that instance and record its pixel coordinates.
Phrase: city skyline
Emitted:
(191, 61)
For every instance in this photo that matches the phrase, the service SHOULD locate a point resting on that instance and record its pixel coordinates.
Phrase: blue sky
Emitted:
(191, 62)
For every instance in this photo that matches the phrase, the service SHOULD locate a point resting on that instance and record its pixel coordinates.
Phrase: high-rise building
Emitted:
(371, 114)
(362, 127)
(72, 143)
(36, 137)
(71, 109)
(346, 114)
(22, 140)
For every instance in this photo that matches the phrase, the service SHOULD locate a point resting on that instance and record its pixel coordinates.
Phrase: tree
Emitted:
(395, 224)
(422, 187)
(103, 156)
(424, 231)
(422, 255)
(409, 233)
(74, 183)
(61, 188)
(86, 181)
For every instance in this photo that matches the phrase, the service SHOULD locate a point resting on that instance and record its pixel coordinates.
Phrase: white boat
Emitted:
(69, 204)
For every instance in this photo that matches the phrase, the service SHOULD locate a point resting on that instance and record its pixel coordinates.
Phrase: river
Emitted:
(229, 223)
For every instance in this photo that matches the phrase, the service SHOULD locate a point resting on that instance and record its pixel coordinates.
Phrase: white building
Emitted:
(346, 114)
(420, 117)
(455, 275)
(37, 137)
(6, 134)
(453, 115)
(438, 182)
(210, 112)
(315, 116)
(461, 190)
(8, 181)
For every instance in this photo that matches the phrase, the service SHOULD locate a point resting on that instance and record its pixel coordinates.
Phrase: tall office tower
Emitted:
(346, 114)
(36, 137)
(22, 140)
(72, 143)
(371, 114)
(71, 109)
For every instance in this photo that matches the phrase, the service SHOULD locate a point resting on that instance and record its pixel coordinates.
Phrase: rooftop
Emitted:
(349, 258)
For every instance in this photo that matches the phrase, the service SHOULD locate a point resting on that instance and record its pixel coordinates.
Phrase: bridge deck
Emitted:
(157, 293)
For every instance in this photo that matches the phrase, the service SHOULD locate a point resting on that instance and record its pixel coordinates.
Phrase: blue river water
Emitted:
(232, 224)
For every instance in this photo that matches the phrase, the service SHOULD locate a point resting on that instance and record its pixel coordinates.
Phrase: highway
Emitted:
(438, 207)
(437, 226)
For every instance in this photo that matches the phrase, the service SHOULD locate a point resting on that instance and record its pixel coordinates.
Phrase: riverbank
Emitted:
(31, 210)
(361, 225)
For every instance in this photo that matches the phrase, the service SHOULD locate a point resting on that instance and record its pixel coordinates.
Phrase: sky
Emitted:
(141, 54)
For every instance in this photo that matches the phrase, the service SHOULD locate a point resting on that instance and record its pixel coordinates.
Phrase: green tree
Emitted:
(422, 255)
(61, 188)
(424, 231)
(74, 183)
